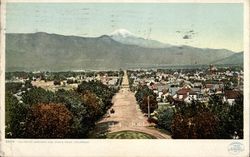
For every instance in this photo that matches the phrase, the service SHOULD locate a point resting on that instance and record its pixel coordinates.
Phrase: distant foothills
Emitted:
(52, 52)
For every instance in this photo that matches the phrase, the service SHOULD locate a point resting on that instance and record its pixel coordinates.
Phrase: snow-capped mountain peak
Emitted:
(122, 33)
(126, 37)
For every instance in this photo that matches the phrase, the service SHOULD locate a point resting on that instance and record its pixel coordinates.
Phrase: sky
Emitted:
(201, 25)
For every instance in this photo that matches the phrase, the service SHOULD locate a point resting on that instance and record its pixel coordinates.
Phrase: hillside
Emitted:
(236, 58)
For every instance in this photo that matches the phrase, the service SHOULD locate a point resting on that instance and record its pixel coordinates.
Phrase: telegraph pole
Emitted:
(148, 108)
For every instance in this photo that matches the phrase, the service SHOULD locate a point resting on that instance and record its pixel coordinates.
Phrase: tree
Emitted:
(102, 91)
(28, 84)
(74, 103)
(151, 101)
(142, 95)
(57, 82)
(96, 87)
(86, 109)
(236, 117)
(70, 81)
(15, 115)
(48, 121)
(180, 127)
(13, 87)
(221, 110)
(194, 120)
(38, 95)
(93, 104)
(165, 117)
(230, 117)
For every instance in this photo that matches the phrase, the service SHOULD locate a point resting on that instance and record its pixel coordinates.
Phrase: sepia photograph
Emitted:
(99, 71)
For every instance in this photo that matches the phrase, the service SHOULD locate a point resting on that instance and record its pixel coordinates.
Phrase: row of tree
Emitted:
(146, 98)
(63, 114)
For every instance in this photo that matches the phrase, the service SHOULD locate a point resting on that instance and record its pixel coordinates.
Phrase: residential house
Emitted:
(230, 96)
(185, 94)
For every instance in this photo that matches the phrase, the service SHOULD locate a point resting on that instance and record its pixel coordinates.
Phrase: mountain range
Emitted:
(121, 49)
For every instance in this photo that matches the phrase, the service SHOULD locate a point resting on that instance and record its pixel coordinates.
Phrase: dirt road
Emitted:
(127, 115)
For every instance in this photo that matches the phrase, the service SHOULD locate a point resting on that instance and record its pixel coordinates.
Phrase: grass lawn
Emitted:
(160, 130)
(129, 135)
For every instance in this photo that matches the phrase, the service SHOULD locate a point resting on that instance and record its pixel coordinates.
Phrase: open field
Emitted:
(49, 85)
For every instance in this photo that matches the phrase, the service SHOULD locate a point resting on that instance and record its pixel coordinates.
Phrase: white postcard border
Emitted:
(95, 147)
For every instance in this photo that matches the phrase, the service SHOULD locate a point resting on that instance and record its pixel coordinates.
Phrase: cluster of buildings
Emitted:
(53, 82)
(111, 81)
(188, 85)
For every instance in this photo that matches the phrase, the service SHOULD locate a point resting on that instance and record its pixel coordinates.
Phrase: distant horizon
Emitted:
(202, 25)
(173, 67)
